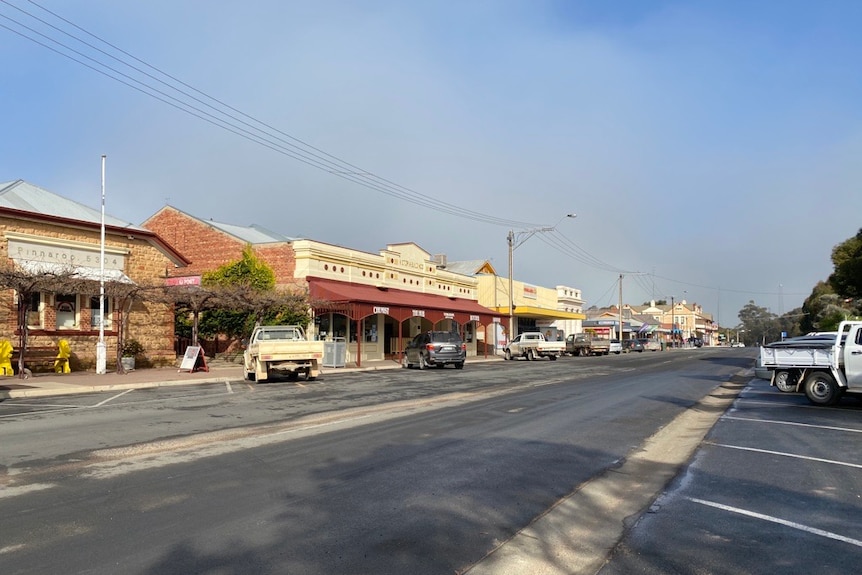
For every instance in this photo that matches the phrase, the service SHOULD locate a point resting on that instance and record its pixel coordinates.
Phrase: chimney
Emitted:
(439, 259)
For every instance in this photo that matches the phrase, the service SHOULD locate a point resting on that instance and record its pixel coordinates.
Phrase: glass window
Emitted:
(34, 310)
(370, 331)
(66, 310)
(94, 312)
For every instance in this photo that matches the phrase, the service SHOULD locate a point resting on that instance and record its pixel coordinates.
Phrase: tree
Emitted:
(758, 323)
(247, 296)
(846, 279)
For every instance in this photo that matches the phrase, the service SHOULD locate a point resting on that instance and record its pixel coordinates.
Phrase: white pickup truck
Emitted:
(533, 345)
(281, 348)
(824, 367)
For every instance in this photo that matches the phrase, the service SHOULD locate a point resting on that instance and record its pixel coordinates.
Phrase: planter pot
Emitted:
(128, 363)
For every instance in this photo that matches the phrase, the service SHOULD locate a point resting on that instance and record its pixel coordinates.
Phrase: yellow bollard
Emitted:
(6, 359)
(61, 364)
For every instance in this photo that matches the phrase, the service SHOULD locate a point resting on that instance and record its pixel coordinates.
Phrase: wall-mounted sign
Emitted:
(383, 310)
(531, 292)
(448, 315)
(418, 313)
(183, 281)
(474, 318)
(65, 255)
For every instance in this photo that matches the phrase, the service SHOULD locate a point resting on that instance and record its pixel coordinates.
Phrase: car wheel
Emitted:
(784, 382)
(821, 389)
(553, 357)
(507, 354)
(422, 363)
(404, 363)
(459, 365)
(530, 356)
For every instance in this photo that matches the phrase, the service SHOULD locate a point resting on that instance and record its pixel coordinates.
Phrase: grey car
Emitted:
(435, 348)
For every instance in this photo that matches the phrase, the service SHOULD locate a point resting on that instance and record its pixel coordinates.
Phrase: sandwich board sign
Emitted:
(194, 360)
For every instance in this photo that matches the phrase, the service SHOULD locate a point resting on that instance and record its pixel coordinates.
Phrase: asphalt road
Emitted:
(438, 471)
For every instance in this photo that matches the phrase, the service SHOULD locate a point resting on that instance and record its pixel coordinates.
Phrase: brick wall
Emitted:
(209, 248)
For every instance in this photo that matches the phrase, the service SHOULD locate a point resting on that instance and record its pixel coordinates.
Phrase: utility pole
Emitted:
(620, 335)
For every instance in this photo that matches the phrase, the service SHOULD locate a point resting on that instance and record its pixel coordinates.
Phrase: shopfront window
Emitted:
(94, 312)
(369, 333)
(34, 310)
(468, 331)
(67, 316)
(339, 325)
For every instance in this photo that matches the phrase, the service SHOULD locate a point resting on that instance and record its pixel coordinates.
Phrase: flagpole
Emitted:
(101, 355)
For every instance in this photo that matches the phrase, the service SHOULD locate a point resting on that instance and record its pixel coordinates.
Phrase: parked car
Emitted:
(633, 345)
(695, 342)
(650, 344)
(435, 348)
(616, 346)
(737, 344)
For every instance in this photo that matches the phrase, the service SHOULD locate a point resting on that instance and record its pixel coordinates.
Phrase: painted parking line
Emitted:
(112, 398)
(792, 524)
(810, 425)
(785, 454)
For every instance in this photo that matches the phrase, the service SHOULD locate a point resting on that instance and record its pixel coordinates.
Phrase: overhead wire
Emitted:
(237, 122)
(268, 137)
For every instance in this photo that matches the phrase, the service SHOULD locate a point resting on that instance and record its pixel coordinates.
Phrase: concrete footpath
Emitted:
(48, 384)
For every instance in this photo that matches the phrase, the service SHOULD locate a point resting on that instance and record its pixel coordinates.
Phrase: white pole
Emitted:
(101, 355)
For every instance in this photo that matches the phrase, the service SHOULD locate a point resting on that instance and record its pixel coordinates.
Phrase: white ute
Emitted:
(533, 345)
(823, 367)
(281, 348)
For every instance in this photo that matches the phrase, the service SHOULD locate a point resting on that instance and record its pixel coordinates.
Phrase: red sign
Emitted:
(183, 281)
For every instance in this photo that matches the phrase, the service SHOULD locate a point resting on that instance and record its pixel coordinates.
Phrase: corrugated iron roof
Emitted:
(26, 197)
(252, 234)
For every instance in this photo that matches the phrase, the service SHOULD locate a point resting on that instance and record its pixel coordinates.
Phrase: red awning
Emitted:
(358, 301)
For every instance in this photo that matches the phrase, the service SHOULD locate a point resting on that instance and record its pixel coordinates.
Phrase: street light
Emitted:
(515, 240)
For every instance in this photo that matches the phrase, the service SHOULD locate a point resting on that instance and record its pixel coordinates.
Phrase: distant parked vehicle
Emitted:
(633, 345)
(587, 344)
(650, 344)
(532, 345)
(616, 346)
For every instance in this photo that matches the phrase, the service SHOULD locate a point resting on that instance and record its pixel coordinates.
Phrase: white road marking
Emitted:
(229, 388)
(112, 398)
(794, 525)
(784, 454)
(830, 427)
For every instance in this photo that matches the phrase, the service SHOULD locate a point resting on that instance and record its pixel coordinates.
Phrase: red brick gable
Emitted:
(208, 247)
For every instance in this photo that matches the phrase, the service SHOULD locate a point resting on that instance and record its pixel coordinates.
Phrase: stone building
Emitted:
(46, 233)
(372, 302)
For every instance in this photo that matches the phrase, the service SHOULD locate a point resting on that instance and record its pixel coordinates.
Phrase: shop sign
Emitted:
(183, 281)
(474, 318)
(64, 255)
(379, 309)
(531, 292)
(448, 315)
(418, 313)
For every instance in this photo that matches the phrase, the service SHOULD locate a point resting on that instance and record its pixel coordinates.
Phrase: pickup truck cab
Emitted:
(533, 345)
(824, 367)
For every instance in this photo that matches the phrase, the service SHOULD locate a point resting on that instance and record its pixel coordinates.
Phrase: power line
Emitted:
(231, 121)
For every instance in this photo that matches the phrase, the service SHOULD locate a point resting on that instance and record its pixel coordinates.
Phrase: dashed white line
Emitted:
(794, 525)
(785, 454)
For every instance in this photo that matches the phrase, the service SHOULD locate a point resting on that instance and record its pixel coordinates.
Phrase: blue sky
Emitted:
(710, 148)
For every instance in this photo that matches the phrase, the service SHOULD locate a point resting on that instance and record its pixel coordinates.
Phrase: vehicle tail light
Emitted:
(463, 347)
(429, 346)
